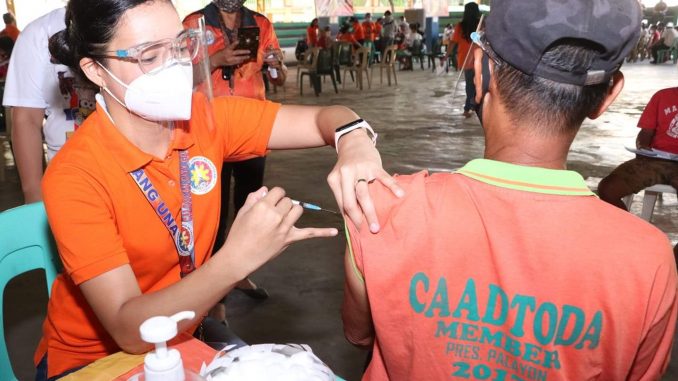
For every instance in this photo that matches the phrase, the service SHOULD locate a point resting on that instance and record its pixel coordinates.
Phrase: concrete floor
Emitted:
(420, 127)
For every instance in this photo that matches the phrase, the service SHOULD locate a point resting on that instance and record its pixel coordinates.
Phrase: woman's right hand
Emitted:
(229, 56)
(264, 227)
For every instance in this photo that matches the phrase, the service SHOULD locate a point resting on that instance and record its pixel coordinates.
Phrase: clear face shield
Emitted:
(175, 75)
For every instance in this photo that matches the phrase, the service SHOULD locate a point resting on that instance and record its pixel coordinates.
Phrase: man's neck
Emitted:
(531, 151)
(230, 19)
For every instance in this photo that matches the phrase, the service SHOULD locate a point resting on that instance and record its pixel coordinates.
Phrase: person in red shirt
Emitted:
(358, 31)
(312, 34)
(658, 130)
(10, 30)
(511, 268)
(462, 37)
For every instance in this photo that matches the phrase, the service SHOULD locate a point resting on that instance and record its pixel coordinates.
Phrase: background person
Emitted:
(11, 29)
(388, 31)
(369, 27)
(658, 129)
(358, 31)
(462, 37)
(668, 36)
(233, 73)
(439, 297)
(312, 33)
(6, 47)
(325, 40)
(38, 90)
(124, 259)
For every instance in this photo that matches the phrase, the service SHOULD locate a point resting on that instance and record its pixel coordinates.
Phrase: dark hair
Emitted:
(90, 26)
(8, 18)
(315, 20)
(554, 107)
(470, 19)
(387, 13)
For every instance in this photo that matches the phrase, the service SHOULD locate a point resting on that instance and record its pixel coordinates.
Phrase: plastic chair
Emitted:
(360, 65)
(650, 199)
(25, 244)
(323, 65)
(388, 63)
(417, 52)
(308, 70)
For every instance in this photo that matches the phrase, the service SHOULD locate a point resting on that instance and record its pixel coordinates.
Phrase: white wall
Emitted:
(29, 10)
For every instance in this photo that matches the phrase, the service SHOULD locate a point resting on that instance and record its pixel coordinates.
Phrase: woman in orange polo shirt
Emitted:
(133, 197)
(462, 37)
(312, 33)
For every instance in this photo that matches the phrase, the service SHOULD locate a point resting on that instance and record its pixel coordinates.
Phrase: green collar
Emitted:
(528, 179)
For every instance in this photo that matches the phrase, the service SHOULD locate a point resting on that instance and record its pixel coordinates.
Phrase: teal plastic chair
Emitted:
(26, 244)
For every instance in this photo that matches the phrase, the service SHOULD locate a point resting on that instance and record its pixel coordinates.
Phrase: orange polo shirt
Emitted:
(312, 35)
(101, 220)
(377, 30)
(370, 30)
(10, 31)
(358, 31)
(463, 49)
(249, 81)
(505, 272)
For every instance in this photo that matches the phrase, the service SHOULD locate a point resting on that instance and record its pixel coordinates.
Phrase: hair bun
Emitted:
(60, 49)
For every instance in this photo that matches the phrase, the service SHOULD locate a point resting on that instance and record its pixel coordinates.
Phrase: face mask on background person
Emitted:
(229, 6)
(160, 96)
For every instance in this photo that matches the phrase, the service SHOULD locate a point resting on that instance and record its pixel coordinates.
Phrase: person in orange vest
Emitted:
(369, 28)
(345, 35)
(10, 30)
(312, 33)
(235, 74)
(358, 31)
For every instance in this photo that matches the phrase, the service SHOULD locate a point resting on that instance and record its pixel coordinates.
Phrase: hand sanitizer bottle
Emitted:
(163, 364)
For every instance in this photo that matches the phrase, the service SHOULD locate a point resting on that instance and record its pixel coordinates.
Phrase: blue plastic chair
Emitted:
(26, 244)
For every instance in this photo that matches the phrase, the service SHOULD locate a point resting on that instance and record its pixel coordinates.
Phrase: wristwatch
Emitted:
(347, 128)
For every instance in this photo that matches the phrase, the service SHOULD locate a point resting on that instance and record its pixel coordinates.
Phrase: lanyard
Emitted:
(182, 235)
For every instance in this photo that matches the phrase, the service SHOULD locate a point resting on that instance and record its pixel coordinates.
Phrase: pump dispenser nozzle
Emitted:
(163, 364)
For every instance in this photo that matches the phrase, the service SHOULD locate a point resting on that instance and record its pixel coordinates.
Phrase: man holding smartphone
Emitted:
(236, 71)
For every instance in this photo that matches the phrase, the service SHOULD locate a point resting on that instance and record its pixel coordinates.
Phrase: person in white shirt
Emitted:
(37, 88)
(665, 42)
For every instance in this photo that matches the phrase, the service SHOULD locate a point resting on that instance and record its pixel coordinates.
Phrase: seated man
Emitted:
(511, 268)
(658, 129)
(668, 36)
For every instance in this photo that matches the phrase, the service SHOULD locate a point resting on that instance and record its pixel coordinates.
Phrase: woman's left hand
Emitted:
(358, 165)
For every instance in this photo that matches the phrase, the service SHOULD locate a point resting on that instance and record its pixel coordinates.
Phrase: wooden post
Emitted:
(10, 7)
(261, 6)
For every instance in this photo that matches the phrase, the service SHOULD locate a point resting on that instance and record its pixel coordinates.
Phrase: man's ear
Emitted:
(612, 92)
(93, 71)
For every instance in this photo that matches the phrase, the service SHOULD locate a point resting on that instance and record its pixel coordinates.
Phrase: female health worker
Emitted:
(133, 197)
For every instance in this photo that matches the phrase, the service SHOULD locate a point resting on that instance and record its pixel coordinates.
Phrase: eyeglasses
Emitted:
(479, 39)
(157, 55)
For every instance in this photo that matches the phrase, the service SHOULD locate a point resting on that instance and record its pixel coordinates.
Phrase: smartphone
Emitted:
(248, 39)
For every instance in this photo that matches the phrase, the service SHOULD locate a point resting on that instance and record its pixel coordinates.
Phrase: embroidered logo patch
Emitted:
(185, 240)
(209, 37)
(203, 175)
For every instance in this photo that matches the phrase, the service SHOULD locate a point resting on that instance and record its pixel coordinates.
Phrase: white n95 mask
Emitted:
(161, 96)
